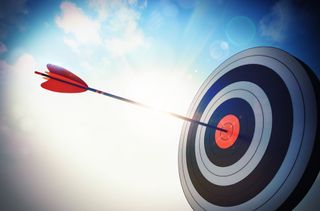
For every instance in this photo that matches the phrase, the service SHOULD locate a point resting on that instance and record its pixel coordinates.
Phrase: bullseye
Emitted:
(227, 139)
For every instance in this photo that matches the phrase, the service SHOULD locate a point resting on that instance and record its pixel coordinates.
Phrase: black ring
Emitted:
(281, 106)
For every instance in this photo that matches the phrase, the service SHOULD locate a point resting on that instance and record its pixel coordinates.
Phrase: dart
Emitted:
(61, 80)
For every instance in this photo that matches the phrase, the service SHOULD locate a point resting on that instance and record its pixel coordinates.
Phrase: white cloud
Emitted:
(122, 33)
(3, 48)
(22, 63)
(105, 8)
(141, 4)
(132, 2)
(4, 66)
(101, 6)
(124, 19)
(274, 25)
(74, 21)
(116, 29)
(124, 23)
(74, 45)
(125, 44)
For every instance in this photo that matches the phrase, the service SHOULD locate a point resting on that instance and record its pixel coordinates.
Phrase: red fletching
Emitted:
(62, 80)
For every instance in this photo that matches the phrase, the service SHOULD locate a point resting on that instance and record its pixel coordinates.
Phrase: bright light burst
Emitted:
(89, 152)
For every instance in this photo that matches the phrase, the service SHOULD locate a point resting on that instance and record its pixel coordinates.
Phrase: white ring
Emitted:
(238, 171)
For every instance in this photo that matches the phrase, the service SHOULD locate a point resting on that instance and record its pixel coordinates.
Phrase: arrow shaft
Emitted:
(132, 102)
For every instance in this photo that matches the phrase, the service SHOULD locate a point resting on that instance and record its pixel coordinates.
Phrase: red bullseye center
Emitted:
(227, 139)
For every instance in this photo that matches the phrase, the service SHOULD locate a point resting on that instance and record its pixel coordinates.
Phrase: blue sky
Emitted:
(183, 25)
(158, 52)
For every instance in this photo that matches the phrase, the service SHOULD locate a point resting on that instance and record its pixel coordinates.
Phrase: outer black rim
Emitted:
(281, 104)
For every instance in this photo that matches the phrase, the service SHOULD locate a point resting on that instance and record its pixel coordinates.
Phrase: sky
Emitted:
(88, 152)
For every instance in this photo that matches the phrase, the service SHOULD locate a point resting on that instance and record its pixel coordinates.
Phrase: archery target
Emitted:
(267, 101)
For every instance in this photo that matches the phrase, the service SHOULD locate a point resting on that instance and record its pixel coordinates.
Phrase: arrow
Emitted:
(64, 81)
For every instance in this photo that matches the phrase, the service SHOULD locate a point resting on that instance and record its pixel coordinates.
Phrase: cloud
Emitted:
(3, 48)
(25, 61)
(73, 21)
(141, 4)
(124, 45)
(132, 2)
(4, 66)
(12, 16)
(129, 37)
(101, 7)
(74, 45)
(122, 33)
(106, 8)
(275, 25)
(115, 29)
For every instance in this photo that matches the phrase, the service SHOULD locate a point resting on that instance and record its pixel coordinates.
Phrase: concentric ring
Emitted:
(275, 164)
(231, 174)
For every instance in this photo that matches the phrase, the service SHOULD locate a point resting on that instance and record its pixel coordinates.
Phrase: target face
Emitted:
(267, 101)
